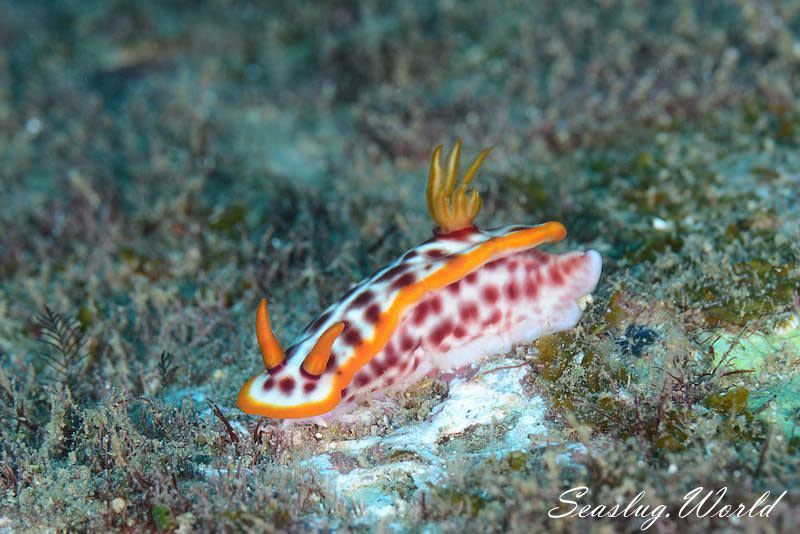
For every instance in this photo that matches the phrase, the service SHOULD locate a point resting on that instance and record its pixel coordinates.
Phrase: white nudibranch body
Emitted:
(460, 296)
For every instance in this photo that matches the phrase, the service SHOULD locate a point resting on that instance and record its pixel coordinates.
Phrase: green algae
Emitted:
(228, 219)
(768, 289)
(401, 455)
(640, 400)
(771, 359)
(467, 502)
(517, 460)
(163, 518)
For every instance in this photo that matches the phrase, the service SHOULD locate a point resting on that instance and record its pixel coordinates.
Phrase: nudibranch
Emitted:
(461, 295)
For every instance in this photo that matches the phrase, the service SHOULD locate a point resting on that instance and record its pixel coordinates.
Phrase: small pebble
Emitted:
(118, 505)
(661, 225)
(33, 126)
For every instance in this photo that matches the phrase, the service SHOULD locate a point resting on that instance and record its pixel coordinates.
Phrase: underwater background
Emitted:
(165, 165)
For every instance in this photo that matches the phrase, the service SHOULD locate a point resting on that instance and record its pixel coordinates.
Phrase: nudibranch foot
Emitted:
(461, 295)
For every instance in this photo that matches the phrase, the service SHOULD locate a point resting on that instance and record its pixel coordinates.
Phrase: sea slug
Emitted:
(461, 295)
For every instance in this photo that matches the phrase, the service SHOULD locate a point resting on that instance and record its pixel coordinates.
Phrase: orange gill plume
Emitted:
(273, 355)
(453, 208)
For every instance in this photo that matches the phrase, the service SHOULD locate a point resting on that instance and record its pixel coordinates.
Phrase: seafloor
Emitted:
(164, 165)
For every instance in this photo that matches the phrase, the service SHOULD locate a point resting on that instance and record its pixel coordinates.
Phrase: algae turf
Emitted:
(165, 166)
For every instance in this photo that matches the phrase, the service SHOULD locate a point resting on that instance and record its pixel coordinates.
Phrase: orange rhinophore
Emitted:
(461, 295)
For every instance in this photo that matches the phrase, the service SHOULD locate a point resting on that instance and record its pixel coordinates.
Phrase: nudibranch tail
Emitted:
(271, 350)
(453, 208)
